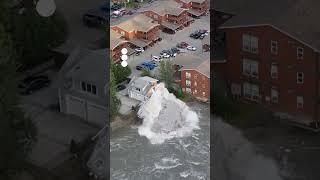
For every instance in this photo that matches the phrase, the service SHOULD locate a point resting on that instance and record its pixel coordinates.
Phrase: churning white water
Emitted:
(166, 117)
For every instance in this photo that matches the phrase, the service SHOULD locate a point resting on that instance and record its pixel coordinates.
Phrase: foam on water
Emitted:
(166, 117)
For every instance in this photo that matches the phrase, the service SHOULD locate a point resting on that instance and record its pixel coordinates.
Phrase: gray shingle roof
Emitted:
(139, 22)
(164, 7)
(299, 18)
(189, 61)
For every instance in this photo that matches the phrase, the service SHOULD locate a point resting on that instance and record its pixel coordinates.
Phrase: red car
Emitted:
(182, 45)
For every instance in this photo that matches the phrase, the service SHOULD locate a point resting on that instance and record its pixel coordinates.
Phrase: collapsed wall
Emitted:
(234, 158)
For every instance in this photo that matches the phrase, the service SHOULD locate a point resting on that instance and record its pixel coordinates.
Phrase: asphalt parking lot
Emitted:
(169, 41)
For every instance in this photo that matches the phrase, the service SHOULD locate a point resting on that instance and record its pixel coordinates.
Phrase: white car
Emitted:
(165, 55)
(191, 48)
(139, 49)
(156, 58)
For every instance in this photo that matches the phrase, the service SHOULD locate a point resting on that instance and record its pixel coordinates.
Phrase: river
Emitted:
(135, 157)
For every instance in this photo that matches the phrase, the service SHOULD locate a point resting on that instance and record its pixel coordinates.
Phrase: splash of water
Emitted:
(166, 117)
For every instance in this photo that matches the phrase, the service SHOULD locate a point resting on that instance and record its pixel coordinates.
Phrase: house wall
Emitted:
(126, 34)
(152, 34)
(116, 52)
(202, 84)
(154, 16)
(202, 7)
(288, 66)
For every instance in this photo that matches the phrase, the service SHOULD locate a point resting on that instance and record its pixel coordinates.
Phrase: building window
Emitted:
(274, 71)
(195, 92)
(250, 43)
(250, 68)
(274, 47)
(300, 52)
(90, 88)
(188, 90)
(300, 77)
(122, 33)
(274, 96)
(203, 78)
(203, 86)
(195, 84)
(188, 75)
(188, 83)
(251, 91)
(196, 76)
(300, 102)
(203, 93)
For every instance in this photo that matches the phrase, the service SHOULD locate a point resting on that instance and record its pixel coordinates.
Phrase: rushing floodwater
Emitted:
(164, 151)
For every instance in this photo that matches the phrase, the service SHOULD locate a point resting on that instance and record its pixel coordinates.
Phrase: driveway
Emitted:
(55, 130)
(79, 34)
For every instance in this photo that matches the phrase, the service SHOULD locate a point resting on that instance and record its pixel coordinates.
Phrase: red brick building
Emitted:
(193, 75)
(117, 42)
(139, 31)
(169, 14)
(272, 64)
(195, 8)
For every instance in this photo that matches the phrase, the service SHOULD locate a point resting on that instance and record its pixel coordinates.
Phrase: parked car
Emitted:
(121, 87)
(191, 48)
(139, 67)
(95, 18)
(119, 13)
(175, 50)
(202, 36)
(156, 58)
(139, 49)
(164, 55)
(32, 84)
(182, 45)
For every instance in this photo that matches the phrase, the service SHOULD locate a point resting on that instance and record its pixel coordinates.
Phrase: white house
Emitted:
(142, 88)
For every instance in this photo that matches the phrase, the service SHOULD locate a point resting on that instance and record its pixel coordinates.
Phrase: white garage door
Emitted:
(75, 106)
(97, 114)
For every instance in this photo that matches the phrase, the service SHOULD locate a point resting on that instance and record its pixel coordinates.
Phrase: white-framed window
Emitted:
(89, 88)
(188, 90)
(195, 92)
(203, 93)
(274, 47)
(188, 75)
(195, 84)
(300, 77)
(300, 52)
(274, 71)
(274, 96)
(300, 102)
(188, 83)
(251, 91)
(250, 43)
(250, 67)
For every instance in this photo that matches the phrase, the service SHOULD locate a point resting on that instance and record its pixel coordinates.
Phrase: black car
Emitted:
(139, 68)
(95, 17)
(175, 50)
(121, 87)
(34, 83)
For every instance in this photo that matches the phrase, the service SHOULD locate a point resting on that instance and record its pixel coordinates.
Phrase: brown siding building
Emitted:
(195, 7)
(268, 61)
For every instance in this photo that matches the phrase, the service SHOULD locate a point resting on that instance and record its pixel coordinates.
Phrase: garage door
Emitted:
(75, 106)
(97, 114)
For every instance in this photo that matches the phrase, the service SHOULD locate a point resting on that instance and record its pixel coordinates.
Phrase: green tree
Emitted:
(120, 73)
(166, 71)
(17, 133)
(34, 36)
(146, 72)
(115, 102)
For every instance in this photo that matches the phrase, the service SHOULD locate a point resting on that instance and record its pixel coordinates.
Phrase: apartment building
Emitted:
(169, 14)
(117, 42)
(140, 31)
(195, 8)
(272, 61)
(193, 75)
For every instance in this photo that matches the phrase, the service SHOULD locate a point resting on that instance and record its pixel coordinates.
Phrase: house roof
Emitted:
(164, 7)
(296, 18)
(115, 39)
(190, 61)
(142, 82)
(139, 22)
(87, 65)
